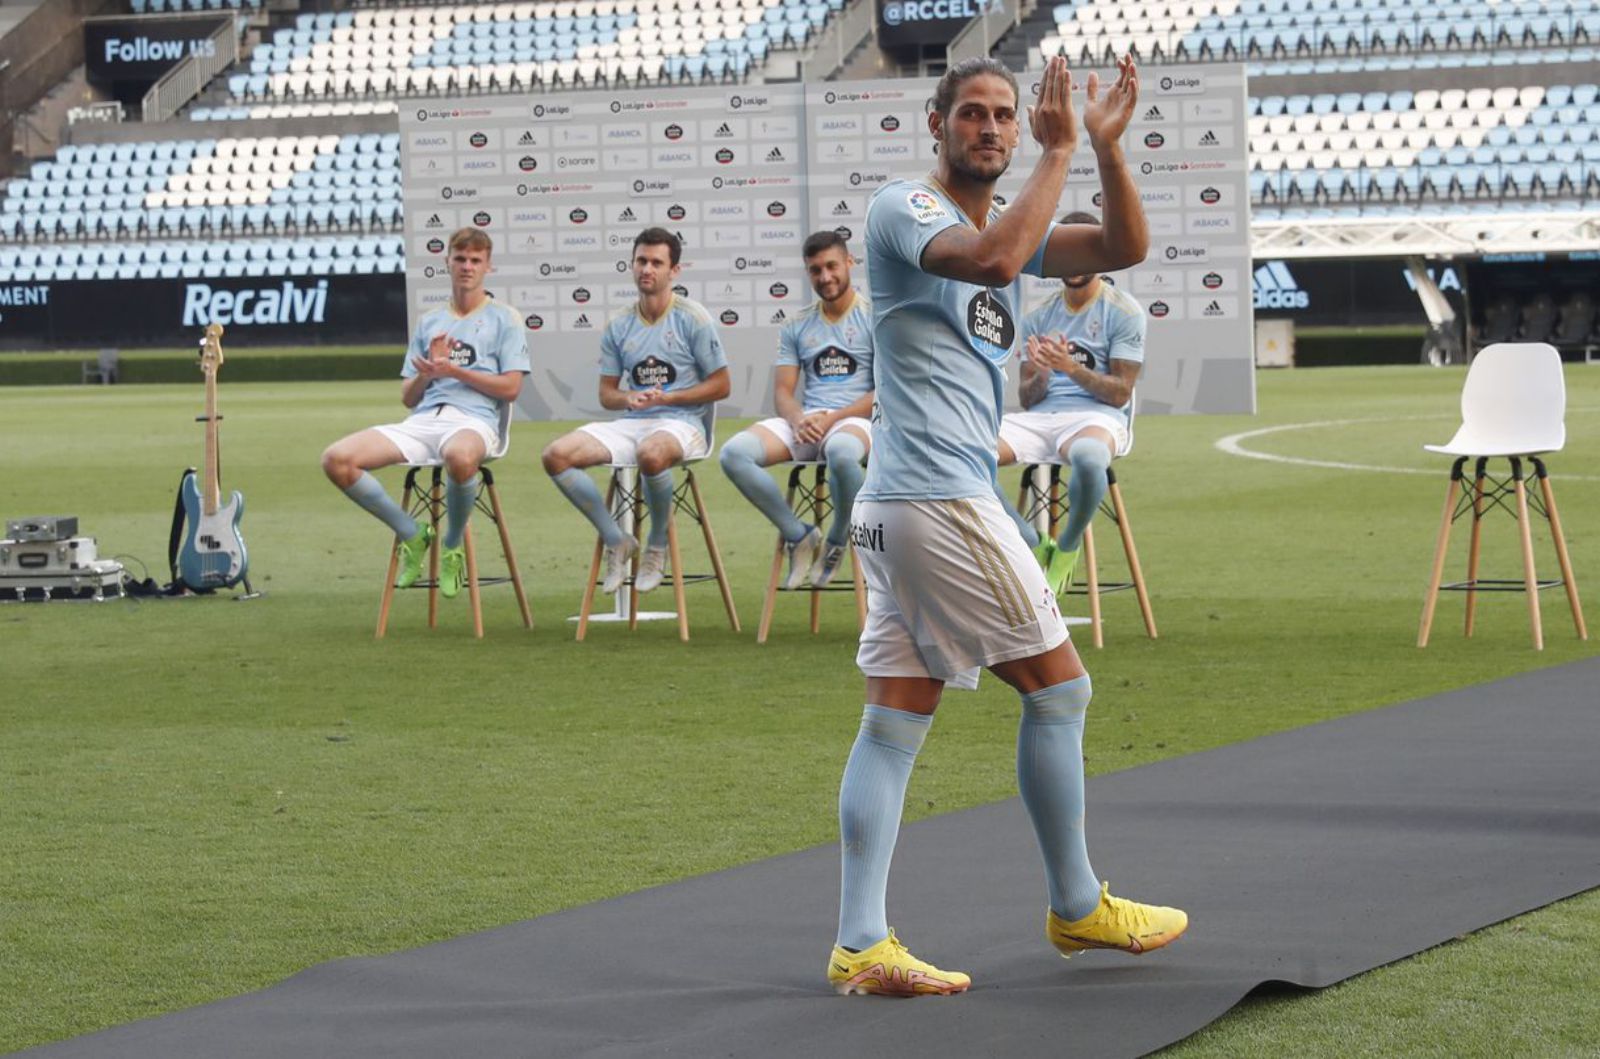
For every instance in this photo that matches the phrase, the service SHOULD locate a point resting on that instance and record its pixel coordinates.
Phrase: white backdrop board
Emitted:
(565, 181)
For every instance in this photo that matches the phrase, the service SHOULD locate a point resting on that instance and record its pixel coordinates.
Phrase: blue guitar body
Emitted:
(213, 553)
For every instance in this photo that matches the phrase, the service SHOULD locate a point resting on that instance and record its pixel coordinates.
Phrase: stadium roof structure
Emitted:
(1427, 233)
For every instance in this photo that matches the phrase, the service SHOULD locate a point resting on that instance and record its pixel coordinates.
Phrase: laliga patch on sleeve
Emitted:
(925, 208)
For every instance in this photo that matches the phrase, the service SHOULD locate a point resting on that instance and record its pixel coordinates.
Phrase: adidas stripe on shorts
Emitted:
(951, 588)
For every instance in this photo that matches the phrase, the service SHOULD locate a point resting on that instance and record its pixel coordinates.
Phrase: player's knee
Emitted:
(1089, 454)
(736, 452)
(461, 466)
(339, 467)
(555, 459)
(653, 461)
(843, 452)
(1059, 703)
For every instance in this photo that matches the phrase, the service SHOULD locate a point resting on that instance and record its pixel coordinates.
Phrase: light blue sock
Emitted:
(371, 495)
(1050, 778)
(1030, 535)
(459, 500)
(1089, 459)
(585, 496)
(871, 796)
(844, 453)
(658, 498)
(741, 458)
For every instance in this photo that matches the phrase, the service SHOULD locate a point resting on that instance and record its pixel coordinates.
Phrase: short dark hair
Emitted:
(660, 237)
(1080, 217)
(944, 95)
(827, 239)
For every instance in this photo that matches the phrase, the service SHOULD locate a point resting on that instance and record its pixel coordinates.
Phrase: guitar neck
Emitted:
(211, 486)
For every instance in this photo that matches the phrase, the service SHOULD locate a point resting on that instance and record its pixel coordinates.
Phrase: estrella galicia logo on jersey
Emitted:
(462, 355)
(833, 364)
(890, 123)
(989, 323)
(1211, 280)
(533, 322)
(724, 155)
(481, 219)
(527, 163)
(779, 290)
(478, 139)
(1154, 140)
(578, 215)
(1159, 309)
(674, 132)
(435, 246)
(652, 372)
(776, 209)
(1084, 358)
(676, 212)
(729, 317)
(581, 295)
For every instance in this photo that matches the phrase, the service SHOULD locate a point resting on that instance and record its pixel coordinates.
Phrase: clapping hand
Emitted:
(1106, 116)
(1052, 352)
(1051, 118)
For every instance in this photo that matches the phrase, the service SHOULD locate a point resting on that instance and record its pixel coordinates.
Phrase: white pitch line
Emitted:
(1233, 446)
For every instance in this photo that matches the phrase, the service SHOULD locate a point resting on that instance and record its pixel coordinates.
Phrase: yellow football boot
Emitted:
(1117, 924)
(887, 969)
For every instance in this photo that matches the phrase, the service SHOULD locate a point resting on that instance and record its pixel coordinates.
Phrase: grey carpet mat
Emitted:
(1303, 857)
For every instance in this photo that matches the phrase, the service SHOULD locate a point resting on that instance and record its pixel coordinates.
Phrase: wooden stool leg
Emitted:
(394, 568)
(1530, 581)
(1440, 547)
(511, 556)
(473, 594)
(1472, 547)
(769, 602)
(819, 500)
(1092, 579)
(716, 555)
(594, 569)
(638, 553)
(435, 504)
(677, 578)
(1135, 571)
(1562, 557)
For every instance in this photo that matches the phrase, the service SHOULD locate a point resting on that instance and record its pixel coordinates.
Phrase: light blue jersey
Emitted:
(680, 349)
(490, 339)
(940, 346)
(834, 356)
(1111, 327)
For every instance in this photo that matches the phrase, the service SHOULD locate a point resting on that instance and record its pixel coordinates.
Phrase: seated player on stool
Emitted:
(1084, 351)
(466, 360)
(829, 345)
(666, 346)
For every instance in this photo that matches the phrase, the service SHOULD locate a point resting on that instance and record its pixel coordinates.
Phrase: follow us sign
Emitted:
(925, 21)
(142, 49)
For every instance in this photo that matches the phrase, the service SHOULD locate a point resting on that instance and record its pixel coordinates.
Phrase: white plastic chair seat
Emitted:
(1514, 403)
(708, 423)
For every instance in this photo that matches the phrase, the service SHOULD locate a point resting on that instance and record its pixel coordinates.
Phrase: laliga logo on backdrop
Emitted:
(544, 269)
(616, 107)
(538, 110)
(622, 266)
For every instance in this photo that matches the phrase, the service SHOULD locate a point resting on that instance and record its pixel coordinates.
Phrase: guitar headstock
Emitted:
(211, 349)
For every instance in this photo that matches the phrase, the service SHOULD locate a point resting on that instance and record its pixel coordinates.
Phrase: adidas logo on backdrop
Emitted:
(1276, 288)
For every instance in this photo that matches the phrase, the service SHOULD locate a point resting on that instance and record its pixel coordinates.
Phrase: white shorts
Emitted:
(420, 438)
(951, 588)
(1037, 437)
(622, 436)
(810, 451)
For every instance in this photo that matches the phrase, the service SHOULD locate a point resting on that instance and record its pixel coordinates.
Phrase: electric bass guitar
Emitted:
(213, 554)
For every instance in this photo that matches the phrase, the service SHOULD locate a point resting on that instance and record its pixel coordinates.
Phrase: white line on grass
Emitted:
(1233, 446)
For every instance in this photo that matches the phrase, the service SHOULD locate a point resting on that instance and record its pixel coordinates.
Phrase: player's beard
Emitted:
(979, 171)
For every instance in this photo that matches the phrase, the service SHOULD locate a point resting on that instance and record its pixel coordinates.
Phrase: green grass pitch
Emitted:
(202, 797)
